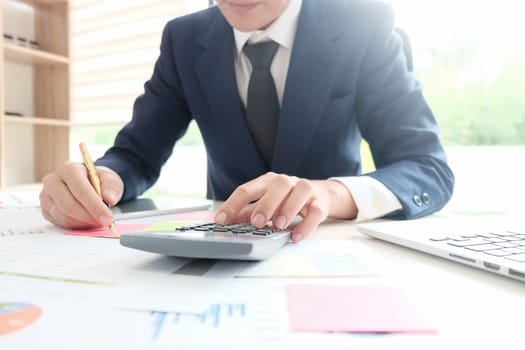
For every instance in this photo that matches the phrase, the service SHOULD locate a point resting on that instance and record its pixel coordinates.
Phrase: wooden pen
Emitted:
(93, 176)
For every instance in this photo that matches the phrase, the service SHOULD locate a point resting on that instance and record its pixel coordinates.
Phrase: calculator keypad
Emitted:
(234, 229)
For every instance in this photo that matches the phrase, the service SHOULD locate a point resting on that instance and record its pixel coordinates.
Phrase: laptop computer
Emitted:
(498, 247)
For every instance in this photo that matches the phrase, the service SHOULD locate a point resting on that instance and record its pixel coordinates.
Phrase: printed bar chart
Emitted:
(213, 317)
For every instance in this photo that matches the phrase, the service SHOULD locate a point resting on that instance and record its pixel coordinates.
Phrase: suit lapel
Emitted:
(216, 72)
(307, 90)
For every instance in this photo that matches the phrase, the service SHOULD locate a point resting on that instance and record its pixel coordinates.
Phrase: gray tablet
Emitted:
(142, 207)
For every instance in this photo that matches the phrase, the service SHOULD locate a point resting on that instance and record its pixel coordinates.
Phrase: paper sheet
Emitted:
(19, 199)
(75, 259)
(221, 316)
(316, 258)
(354, 308)
(79, 259)
(38, 314)
(21, 220)
(212, 314)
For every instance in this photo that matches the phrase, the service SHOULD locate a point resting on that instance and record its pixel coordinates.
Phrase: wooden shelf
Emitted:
(43, 92)
(19, 54)
(37, 121)
(98, 124)
(45, 2)
(58, 122)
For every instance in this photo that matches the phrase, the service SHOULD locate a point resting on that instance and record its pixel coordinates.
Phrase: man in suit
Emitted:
(339, 75)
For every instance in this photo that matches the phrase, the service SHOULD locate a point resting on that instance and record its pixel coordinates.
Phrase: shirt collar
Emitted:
(282, 30)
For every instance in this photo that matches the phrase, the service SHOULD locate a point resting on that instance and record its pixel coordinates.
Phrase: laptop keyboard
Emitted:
(506, 244)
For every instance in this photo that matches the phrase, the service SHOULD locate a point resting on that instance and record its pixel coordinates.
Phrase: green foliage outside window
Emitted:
(477, 101)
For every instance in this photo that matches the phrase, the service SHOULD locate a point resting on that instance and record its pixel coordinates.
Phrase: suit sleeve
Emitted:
(400, 127)
(160, 117)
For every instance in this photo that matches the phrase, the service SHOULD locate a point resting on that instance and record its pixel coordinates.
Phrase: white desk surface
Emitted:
(472, 308)
(475, 309)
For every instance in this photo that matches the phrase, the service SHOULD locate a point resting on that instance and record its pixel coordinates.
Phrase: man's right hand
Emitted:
(69, 200)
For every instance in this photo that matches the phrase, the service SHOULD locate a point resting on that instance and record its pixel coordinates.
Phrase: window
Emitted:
(470, 57)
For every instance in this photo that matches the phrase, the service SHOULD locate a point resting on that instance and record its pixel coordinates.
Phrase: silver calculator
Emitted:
(210, 241)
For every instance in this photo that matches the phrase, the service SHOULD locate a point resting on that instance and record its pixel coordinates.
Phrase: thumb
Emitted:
(111, 184)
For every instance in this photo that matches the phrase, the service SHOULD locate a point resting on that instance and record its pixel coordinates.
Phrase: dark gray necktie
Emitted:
(262, 108)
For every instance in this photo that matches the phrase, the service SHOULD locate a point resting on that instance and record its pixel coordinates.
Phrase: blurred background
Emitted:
(469, 56)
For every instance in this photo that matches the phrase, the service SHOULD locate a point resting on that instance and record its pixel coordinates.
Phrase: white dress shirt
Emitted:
(372, 198)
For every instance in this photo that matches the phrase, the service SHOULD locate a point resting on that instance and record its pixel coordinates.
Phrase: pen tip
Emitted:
(113, 228)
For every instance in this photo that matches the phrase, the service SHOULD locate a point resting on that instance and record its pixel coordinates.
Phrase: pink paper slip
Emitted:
(355, 309)
(106, 232)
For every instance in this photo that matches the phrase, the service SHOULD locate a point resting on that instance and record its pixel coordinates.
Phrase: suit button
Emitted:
(417, 201)
(425, 198)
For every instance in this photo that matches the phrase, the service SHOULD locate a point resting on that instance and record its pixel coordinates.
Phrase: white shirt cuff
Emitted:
(372, 198)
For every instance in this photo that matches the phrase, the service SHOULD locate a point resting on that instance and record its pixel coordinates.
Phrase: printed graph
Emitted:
(214, 325)
(16, 316)
(214, 317)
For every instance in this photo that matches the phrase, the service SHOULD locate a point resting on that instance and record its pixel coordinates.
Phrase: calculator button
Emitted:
(241, 231)
(262, 232)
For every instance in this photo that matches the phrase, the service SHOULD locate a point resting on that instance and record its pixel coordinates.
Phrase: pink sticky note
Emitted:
(106, 232)
(201, 215)
(357, 309)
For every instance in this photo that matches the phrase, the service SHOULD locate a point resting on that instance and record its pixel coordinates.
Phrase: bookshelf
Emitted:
(34, 82)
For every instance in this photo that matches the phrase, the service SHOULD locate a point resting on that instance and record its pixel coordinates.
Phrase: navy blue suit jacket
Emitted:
(347, 80)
